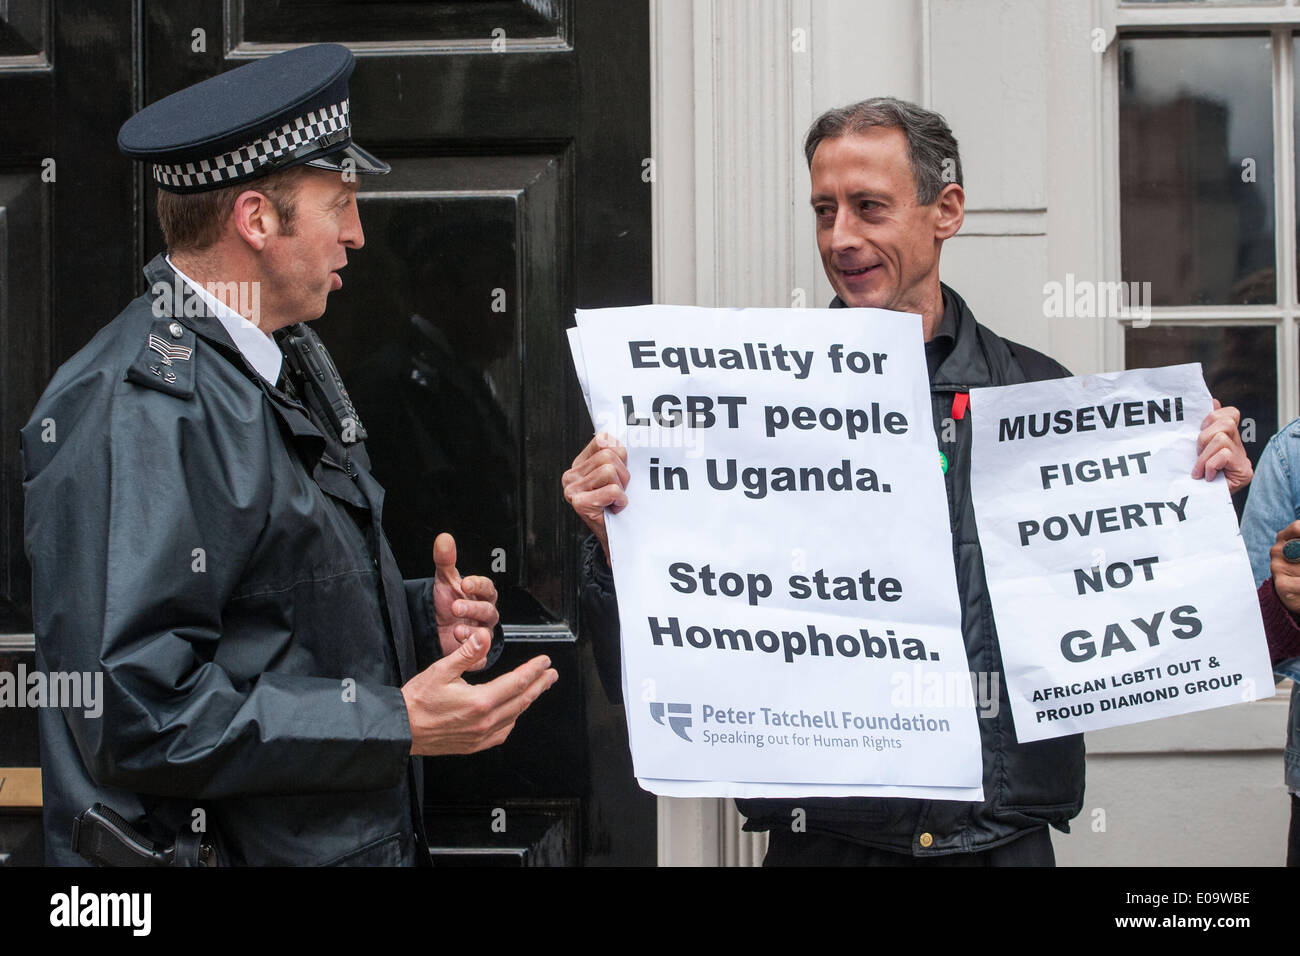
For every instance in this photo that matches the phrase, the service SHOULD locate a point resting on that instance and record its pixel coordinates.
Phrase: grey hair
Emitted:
(929, 140)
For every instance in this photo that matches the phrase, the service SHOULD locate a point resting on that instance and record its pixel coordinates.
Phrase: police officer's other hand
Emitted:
(462, 606)
(1221, 449)
(596, 481)
(449, 716)
(1286, 576)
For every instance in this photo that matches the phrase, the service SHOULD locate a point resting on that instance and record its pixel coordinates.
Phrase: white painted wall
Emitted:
(734, 90)
(1203, 789)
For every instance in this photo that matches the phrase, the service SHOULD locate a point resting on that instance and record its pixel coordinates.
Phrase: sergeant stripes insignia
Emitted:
(168, 351)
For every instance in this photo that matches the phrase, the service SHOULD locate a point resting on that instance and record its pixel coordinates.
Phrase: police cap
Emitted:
(284, 110)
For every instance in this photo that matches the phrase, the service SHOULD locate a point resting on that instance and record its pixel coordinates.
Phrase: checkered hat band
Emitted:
(248, 159)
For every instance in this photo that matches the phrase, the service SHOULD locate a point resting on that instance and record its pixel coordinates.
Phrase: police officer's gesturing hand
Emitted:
(450, 716)
(596, 481)
(462, 606)
(1286, 574)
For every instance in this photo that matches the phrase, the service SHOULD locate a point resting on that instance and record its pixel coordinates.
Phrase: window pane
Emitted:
(1295, 49)
(1196, 168)
(1240, 367)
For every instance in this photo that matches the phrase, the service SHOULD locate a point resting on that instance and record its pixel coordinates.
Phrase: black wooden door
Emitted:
(517, 131)
(67, 264)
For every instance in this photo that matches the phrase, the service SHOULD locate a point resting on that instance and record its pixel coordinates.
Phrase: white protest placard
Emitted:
(580, 367)
(1120, 584)
(786, 591)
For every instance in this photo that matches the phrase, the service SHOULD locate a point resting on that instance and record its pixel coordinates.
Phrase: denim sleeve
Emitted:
(1272, 504)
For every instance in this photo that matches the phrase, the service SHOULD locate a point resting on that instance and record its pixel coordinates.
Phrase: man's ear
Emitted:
(255, 219)
(951, 205)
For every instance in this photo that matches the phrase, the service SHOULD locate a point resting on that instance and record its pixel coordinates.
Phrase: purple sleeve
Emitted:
(1280, 625)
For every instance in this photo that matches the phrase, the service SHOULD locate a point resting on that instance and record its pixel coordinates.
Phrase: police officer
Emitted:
(204, 531)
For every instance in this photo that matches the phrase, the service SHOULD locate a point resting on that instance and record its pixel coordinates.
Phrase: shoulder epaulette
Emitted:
(166, 360)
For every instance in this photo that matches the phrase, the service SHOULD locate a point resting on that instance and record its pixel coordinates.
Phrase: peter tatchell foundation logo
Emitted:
(679, 717)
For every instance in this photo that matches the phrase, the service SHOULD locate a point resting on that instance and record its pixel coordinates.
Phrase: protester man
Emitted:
(887, 192)
(205, 535)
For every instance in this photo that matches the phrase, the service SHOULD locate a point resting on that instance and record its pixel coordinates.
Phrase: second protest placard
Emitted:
(784, 566)
(1120, 583)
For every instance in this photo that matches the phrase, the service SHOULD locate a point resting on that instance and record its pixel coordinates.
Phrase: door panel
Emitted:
(25, 243)
(468, 24)
(459, 279)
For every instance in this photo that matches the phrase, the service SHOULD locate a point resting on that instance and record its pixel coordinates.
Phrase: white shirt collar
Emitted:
(256, 346)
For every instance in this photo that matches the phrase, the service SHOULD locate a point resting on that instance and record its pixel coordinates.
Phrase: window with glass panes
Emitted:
(1207, 99)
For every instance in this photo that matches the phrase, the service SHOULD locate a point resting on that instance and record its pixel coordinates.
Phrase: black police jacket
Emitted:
(197, 540)
(1025, 785)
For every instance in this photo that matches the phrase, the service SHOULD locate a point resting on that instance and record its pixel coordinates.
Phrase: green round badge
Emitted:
(943, 462)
